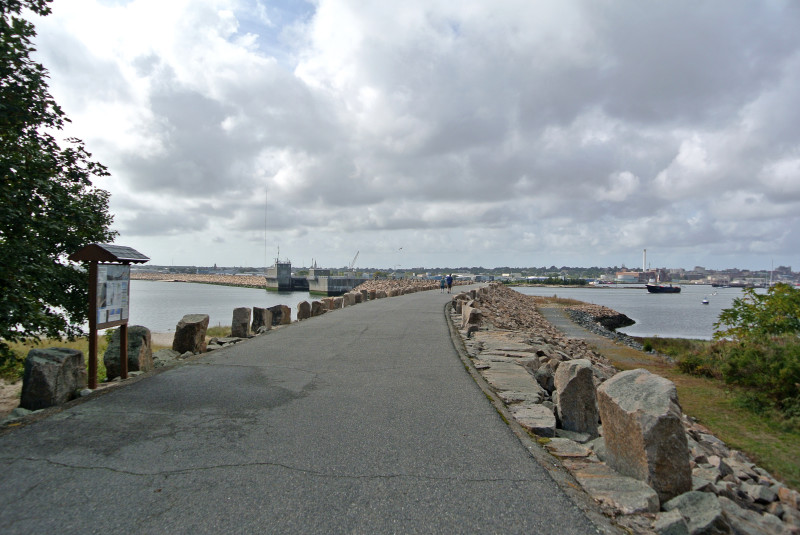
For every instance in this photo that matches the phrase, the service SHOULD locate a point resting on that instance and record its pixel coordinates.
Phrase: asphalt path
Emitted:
(363, 420)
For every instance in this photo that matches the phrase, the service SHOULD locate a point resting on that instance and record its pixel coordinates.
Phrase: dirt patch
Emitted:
(9, 397)
(162, 339)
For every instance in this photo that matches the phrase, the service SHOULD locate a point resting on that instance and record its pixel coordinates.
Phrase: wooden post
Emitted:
(92, 325)
(123, 350)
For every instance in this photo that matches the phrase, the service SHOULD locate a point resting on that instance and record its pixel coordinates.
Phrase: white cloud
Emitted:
(473, 133)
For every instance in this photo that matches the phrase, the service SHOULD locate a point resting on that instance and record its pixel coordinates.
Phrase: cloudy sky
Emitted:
(439, 133)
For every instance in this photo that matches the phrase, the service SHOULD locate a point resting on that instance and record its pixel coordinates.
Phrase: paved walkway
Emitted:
(359, 421)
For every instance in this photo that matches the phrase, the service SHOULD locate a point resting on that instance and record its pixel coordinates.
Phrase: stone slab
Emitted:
(510, 376)
(537, 419)
(564, 447)
(608, 487)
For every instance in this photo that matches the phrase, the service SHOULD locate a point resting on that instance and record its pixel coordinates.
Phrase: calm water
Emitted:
(159, 305)
(667, 315)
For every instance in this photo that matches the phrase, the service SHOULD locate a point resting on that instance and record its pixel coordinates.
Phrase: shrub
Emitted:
(11, 366)
(771, 366)
(696, 364)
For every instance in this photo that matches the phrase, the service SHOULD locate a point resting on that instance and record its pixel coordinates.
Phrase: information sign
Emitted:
(113, 292)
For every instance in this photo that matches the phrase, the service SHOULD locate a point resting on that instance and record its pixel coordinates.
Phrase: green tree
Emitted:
(49, 207)
(756, 315)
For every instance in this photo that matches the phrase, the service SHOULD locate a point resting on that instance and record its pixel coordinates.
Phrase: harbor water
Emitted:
(681, 315)
(160, 305)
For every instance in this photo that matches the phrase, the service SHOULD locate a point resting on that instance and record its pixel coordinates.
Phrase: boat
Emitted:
(663, 289)
(704, 301)
(655, 287)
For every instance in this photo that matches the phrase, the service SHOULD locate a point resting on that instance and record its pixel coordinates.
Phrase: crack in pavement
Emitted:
(314, 473)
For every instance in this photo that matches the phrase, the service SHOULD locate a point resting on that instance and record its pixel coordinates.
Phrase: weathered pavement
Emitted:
(360, 421)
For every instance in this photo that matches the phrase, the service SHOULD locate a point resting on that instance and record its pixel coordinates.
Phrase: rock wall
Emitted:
(653, 469)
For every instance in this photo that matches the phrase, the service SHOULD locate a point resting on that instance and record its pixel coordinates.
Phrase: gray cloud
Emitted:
(583, 130)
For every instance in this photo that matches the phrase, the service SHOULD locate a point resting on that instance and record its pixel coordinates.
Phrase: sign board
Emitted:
(109, 292)
(113, 293)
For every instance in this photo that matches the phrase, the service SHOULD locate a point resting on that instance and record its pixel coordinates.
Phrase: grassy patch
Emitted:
(12, 371)
(761, 432)
(220, 331)
(556, 300)
(674, 347)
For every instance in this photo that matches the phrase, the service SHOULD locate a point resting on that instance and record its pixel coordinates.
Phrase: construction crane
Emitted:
(353, 263)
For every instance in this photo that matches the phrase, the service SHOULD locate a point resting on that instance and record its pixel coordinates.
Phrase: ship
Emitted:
(655, 287)
(663, 289)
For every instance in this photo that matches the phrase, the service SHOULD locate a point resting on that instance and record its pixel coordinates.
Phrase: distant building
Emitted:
(627, 277)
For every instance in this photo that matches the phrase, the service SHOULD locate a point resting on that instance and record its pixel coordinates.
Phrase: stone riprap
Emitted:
(140, 352)
(576, 397)
(281, 315)
(262, 319)
(519, 353)
(52, 376)
(303, 310)
(240, 323)
(317, 308)
(190, 334)
(643, 431)
(248, 281)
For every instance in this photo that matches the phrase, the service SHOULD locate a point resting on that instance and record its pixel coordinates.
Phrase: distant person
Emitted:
(449, 283)
(442, 284)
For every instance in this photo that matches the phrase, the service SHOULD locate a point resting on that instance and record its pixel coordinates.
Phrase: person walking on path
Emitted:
(442, 284)
(449, 283)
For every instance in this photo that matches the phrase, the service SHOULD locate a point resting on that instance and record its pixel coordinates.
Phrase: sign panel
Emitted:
(113, 291)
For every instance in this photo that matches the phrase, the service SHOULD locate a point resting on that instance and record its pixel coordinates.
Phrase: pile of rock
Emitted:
(404, 286)
(602, 323)
(247, 281)
(621, 435)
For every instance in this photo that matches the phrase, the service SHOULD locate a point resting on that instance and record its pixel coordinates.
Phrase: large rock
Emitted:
(261, 318)
(140, 352)
(317, 308)
(240, 324)
(303, 310)
(643, 432)
(702, 512)
(577, 403)
(190, 334)
(281, 315)
(470, 315)
(52, 376)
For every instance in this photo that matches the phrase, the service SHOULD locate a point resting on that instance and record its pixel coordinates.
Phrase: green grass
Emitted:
(12, 371)
(556, 300)
(764, 434)
(675, 347)
(220, 331)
